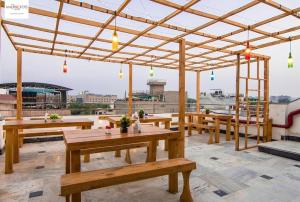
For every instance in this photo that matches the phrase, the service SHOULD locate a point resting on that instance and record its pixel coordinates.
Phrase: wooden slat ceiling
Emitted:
(214, 51)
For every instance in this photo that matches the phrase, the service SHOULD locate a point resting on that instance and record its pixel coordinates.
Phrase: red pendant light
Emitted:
(65, 66)
(248, 49)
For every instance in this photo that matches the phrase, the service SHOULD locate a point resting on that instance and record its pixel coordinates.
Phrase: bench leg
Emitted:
(210, 141)
(86, 158)
(186, 193)
(118, 153)
(151, 155)
(166, 145)
(127, 157)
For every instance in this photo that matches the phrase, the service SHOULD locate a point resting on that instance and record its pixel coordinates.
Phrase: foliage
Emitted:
(141, 113)
(125, 122)
(85, 109)
(191, 100)
(207, 111)
(54, 116)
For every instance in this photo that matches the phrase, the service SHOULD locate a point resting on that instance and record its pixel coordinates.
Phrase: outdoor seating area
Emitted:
(185, 156)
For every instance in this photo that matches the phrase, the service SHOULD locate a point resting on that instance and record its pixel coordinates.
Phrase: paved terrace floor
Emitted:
(222, 175)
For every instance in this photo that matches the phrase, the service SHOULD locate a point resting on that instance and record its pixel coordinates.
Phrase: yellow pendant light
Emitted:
(115, 38)
(121, 73)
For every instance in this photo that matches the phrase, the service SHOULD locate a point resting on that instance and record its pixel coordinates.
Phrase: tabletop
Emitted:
(116, 119)
(26, 124)
(83, 139)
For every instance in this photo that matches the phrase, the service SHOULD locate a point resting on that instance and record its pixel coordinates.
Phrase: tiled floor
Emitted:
(222, 175)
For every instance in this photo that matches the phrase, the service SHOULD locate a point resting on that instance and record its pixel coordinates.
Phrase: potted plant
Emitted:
(141, 114)
(124, 124)
(207, 111)
(54, 117)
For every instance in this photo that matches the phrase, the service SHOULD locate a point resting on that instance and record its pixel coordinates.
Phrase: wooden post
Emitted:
(130, 91)
(198, 92)
(181, 118)
(19, 84)
(237, 103)
(266, 100)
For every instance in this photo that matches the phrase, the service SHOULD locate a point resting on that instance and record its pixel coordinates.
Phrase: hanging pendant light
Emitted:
(151, 71)
(212, 76)
(115, 38)
(248, 49)
(65, 66)
(121, 73)
(290, 58)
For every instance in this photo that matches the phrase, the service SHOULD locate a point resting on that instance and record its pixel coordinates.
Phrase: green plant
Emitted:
(141, 113)
(207, 111)
(125, 122)
(54, 116)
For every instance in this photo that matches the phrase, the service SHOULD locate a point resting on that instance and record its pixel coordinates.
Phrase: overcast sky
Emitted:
(102, 78)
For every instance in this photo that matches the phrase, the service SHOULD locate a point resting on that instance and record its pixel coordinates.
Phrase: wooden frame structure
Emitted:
(202, 54)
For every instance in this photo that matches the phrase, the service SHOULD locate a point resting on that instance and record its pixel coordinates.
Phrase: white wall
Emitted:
(278, 112)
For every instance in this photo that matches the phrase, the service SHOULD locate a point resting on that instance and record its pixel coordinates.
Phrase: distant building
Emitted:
(7, 105)
(39, 95)
(92, 98)
(280, 99)
(156, 100)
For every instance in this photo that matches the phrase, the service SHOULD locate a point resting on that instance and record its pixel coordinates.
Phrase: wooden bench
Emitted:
(116, 148)
(40, 132)
(74, 183)
(211, 129)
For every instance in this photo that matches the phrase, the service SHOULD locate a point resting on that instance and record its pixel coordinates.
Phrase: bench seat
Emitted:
(83, 181)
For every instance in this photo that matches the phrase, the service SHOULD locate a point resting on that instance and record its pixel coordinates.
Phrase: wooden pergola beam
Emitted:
(145, 20)
(61, 4)
(103, 27)
(142, 33)
(219, 19)
(281, 8)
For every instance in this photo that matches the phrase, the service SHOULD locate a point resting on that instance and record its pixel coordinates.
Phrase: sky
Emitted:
(102, 78)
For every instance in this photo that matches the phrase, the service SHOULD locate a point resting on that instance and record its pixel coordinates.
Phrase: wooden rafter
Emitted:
(163, 57)
(61, 4)
(170, 16)
(102, 28)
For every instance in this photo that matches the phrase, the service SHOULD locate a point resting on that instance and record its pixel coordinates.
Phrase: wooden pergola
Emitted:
(197, 48)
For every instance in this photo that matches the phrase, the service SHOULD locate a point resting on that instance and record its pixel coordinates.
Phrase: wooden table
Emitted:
(114, 121)
(96, 138)
(217, 120)
(12, 137)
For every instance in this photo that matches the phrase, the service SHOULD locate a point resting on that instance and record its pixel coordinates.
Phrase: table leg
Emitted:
(21, 139)
(68, 163)
(167, 126)
(9, 151)
(200, 121)
(86, 157)
(75, 167)
(152, 151)
(16, 153)
(156, 124)
(173, 178)
(217, 138)
(190, 121)
(117, 152)
(228, 130)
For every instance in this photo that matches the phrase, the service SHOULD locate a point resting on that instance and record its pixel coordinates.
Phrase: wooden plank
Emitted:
(130, 90)
(237, 104)
(198, 94)
(266, 99)
(182, 99)
(61, 4)
(19, 85)
(78, 182)
(9, 144)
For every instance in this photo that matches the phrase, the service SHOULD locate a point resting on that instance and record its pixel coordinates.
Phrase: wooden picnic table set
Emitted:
(210, 122)
(86, 141)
